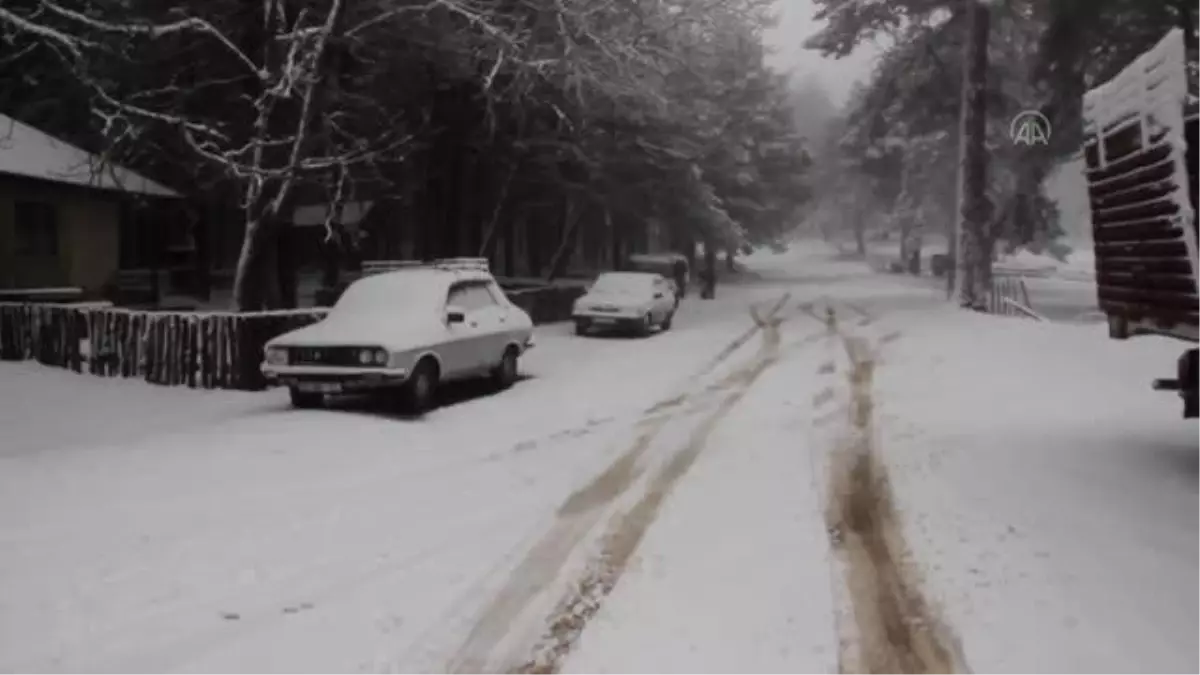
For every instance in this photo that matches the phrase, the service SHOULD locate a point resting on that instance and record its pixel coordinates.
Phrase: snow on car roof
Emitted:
(616, 280)
(657, 258)
(670, 255)
(418, 286)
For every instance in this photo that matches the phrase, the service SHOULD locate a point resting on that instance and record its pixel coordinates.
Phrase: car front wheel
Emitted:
(581, 327)
(305, 399)
(417, 393)
(505, 373)
(647, 325)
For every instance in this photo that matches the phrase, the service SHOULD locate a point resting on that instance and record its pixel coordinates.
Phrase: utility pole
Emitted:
(969, 279)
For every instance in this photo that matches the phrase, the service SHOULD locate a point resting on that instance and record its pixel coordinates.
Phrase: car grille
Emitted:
(324, 356)
(605, 308)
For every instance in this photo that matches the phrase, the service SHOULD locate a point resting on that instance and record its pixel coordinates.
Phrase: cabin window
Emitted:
(36, 229)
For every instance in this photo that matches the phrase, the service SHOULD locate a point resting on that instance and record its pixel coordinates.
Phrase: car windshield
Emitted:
(410, 291)
(623, 283)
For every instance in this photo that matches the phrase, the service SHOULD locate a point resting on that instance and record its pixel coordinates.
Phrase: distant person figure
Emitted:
(680, 271)
(708, 275)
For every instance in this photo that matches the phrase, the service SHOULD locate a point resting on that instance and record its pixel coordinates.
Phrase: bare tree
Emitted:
(972, 241)
(520, 128)
(273, 68)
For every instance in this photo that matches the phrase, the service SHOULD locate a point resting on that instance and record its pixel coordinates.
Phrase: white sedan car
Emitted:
(406, 332)
(636, 301)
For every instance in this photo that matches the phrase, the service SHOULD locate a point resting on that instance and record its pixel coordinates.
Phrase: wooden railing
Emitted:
(1010, 297)
(211, 350)
(207, 350)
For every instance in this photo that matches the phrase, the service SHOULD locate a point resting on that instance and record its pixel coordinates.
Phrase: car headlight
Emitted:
(372, 357)
(277, 356)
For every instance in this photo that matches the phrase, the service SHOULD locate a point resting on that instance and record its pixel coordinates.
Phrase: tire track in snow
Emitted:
(581, 513)
(625, 530)
(897, 631)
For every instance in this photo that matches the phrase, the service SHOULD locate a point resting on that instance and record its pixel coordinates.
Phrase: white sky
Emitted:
(795, 25)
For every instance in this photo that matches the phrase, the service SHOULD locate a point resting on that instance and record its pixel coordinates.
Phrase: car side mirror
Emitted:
(455, 315)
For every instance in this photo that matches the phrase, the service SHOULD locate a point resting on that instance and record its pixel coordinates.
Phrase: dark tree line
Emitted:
(549, 126)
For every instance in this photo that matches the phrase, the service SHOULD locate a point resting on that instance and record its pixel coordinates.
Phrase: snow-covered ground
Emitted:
(1060, 290)
(677, 503)
(1049, 496)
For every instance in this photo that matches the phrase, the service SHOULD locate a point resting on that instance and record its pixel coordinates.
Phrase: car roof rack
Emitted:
(472, 264)
(370, 267)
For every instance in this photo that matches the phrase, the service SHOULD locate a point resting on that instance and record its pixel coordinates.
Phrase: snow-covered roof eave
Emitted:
(26, 152)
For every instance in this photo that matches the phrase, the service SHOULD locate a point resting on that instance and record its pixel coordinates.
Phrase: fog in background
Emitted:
(1068, 189)
(822, 86)
(836, 76)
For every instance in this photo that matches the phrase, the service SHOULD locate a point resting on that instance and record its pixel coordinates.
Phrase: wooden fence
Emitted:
(206, 350)
(216, 350)
(1010, 297)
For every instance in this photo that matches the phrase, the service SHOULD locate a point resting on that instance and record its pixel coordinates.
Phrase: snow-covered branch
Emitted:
(156, 30)
(73, 44)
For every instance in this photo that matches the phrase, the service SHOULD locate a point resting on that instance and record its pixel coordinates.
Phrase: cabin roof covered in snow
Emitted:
(30, 153)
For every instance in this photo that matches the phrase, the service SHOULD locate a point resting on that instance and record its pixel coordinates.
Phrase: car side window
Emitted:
(497, 293)
(456, 297)
(476, 297)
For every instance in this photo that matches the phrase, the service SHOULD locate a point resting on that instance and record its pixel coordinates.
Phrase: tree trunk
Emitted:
(487, 248)
(510, 242)
(973, 261)
(533, 243)
(255, 286)
(709, 275)
(904, 213)
(567, 244)
(860, 233)
(285, 267)
(689, 251)
(272, 291)
(331, 260)
(246, 281)
(615, 243)
(1022, 226)
(1187, 23)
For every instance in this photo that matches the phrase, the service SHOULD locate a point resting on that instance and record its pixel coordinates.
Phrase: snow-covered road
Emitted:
(1049, 494)
(144, 528)
(679, 503)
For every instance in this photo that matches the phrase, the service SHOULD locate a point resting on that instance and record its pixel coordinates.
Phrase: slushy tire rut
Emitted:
(896, 631)
(577, 517)
(625, 531)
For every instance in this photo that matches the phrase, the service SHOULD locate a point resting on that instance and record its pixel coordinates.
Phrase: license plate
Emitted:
(320, 387)
(604, 322)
